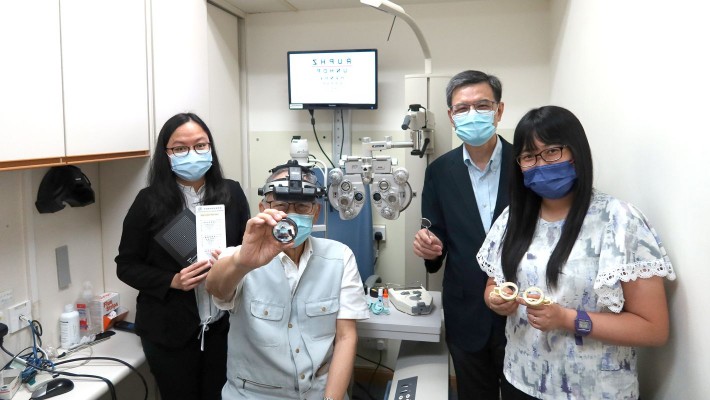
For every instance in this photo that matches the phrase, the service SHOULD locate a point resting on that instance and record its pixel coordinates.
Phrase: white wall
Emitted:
(636, 74)
(27, 250)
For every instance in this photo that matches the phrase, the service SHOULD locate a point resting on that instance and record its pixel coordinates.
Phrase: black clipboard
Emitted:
(179, 238)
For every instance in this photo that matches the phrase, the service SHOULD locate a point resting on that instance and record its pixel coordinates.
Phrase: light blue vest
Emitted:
(277, 343)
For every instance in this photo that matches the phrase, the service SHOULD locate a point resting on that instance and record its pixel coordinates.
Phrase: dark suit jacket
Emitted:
(163, 315)
(449, 203)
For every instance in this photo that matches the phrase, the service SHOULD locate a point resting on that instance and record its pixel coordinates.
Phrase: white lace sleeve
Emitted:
(488, 256)
(630, 249)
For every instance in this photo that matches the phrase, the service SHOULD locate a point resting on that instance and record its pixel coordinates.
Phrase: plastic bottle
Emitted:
(373, 295)
(69, 326)
(386, 299)
(83, 307)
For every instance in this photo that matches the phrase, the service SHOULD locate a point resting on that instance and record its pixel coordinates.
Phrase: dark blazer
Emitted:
(449, 203)
(163, 315)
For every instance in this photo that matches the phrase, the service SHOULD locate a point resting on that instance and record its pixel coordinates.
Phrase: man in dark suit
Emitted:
(464, 192)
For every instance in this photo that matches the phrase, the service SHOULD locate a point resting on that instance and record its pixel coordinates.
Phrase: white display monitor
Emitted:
(345, 79)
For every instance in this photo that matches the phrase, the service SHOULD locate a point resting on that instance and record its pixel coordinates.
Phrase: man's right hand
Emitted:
(427, 245)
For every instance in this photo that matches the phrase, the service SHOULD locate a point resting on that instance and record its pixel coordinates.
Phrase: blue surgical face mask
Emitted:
(193, 166)
(552, 181)
(304, 222)
(475, 128)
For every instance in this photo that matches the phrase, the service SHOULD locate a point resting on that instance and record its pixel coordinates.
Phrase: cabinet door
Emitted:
(180, 68)
(31, 119)
(105, 76)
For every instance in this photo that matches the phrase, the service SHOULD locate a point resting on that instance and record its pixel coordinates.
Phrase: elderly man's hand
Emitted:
(259, 245)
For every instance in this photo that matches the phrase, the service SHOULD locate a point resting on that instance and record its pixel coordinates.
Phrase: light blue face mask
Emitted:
(192, 167)
(475, 128)
(304, 222)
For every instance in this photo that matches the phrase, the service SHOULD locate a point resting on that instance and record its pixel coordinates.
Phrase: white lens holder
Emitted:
(534, 301)
(533, 295)
(498, 291)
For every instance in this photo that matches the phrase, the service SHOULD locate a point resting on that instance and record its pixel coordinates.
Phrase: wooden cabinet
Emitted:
(73, 82)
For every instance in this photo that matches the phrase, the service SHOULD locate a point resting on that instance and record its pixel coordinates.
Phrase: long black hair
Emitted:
(168, 199)
(549, 125)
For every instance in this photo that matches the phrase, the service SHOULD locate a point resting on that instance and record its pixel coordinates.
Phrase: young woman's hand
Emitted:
(191, 276)
(498, 304)
(547, 317)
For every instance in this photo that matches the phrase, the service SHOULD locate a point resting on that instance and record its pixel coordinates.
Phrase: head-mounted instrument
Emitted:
(293, 187)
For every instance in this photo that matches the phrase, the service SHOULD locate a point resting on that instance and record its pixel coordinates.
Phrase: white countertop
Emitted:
(124, 346)
(399, 325)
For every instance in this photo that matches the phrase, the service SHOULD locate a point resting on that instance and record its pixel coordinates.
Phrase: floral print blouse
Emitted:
(616, 244)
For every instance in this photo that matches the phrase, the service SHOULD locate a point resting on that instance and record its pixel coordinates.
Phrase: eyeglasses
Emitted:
(299, 207)
(481, 107)
(182, 151)
(550, 154)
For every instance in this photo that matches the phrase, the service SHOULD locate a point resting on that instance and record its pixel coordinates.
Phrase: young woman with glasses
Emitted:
(595, 258)
(184, 336)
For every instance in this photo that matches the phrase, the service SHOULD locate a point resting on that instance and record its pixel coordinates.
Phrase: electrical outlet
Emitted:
(374, 343)
(5, 298)
(14, 323)
(381, 229)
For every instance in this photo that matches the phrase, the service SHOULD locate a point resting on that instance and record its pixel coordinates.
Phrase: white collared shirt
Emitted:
(485, 183)
(192, 198)
(208, 311)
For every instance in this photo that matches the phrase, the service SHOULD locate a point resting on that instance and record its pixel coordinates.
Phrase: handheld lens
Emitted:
(285, 231)
(426, 224)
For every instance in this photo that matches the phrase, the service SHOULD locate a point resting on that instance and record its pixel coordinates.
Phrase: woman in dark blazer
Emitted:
(186, 348)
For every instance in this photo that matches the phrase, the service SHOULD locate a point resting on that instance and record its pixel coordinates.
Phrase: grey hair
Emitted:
(472, 77)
